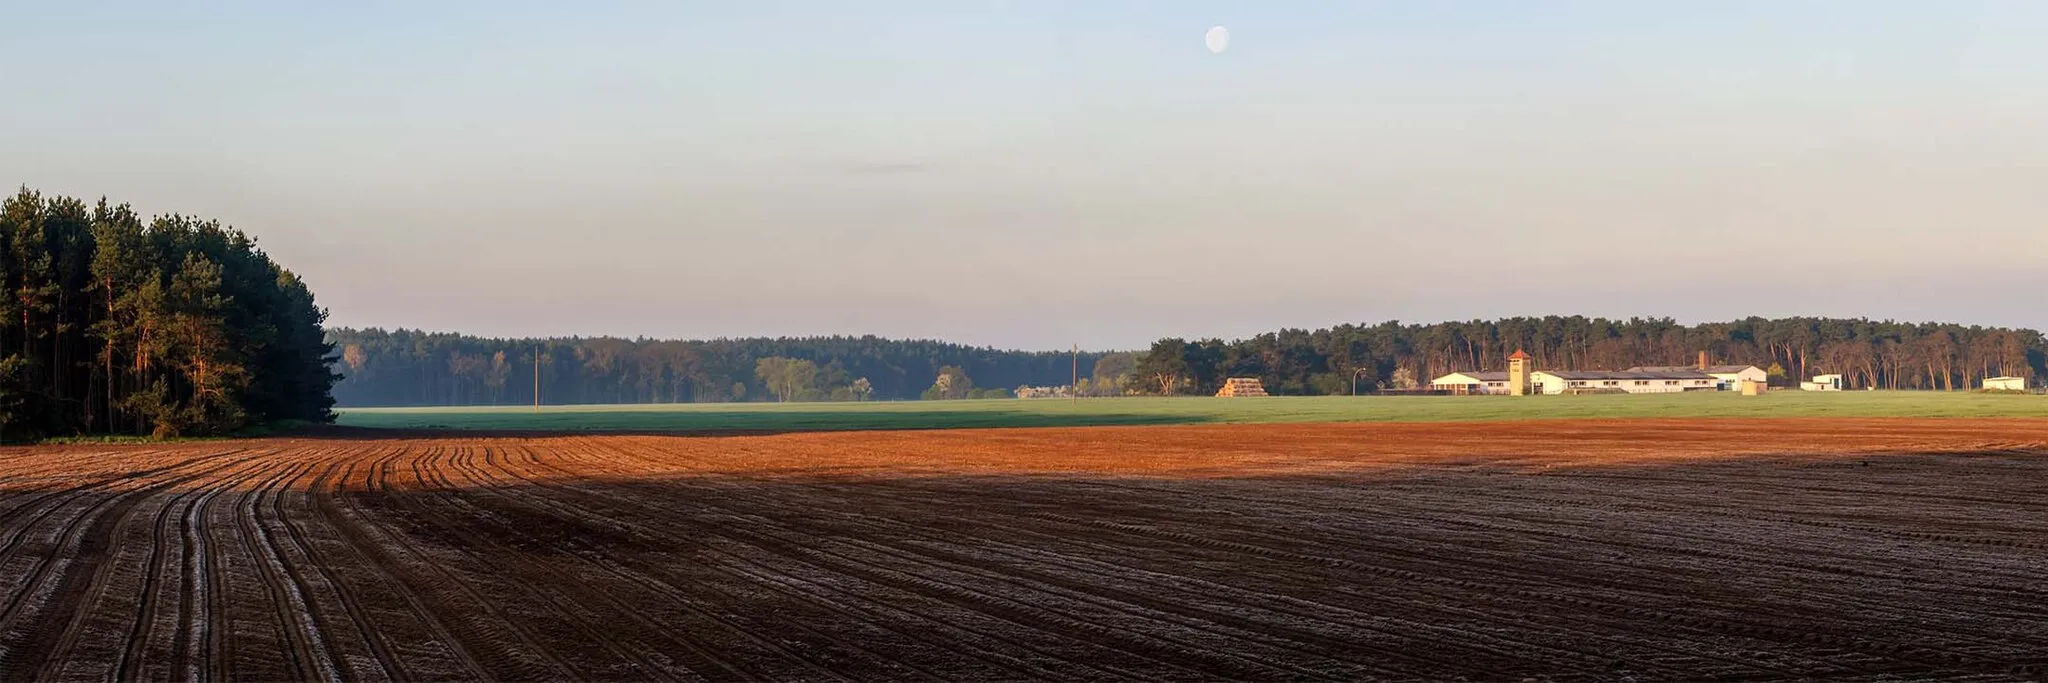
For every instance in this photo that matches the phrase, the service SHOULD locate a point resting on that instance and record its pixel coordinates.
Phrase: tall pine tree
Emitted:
(176, 326)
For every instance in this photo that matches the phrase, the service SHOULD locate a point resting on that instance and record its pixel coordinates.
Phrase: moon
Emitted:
(1218, 39)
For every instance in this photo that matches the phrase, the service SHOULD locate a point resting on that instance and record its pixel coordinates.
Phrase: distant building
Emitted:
(1242, 387)
(1727, 377)
(1580, 381)
(2005, 384)
(1062, 391)
(1472, 383)
(1521, 378)
(1625, 381)
(1822, 383)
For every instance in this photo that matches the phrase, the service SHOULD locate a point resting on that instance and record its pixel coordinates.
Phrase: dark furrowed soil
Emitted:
(1645, 549)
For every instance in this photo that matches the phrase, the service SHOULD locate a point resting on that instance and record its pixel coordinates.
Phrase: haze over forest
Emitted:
(1034, 175)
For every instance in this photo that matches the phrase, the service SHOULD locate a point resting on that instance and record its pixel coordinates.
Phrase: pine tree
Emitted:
(212, 368)
(181, 326)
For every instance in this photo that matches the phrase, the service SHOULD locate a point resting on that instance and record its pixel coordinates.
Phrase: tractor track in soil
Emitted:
(1571, 550)
(788, 552)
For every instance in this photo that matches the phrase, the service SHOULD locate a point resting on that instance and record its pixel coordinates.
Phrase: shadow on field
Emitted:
(1733, 568)
(713, 422)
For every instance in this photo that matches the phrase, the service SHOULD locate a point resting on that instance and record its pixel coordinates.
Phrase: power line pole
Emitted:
(536, 379)
(1074, 385)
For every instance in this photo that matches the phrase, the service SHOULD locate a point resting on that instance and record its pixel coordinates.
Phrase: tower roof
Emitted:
(1519, 355)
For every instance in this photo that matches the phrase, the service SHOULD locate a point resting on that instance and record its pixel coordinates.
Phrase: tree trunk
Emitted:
(57, 351)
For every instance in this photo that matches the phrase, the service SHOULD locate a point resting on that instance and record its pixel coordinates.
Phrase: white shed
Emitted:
(2005, 384)
(1823, 383)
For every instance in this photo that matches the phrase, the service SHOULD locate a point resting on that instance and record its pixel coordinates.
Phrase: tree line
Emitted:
(1392, 355)
(795, 379)
(113, 324)
(406, 367)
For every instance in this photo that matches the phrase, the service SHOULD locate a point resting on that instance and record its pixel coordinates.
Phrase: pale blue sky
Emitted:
(1034, 174)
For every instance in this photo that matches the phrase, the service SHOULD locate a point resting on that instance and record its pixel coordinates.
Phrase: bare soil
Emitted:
(1568, 550)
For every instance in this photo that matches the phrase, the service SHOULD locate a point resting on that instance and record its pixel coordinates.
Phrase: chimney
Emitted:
(1703, 361)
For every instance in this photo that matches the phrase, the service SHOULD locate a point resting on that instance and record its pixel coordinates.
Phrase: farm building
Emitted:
(1564, 381)
(1515, 382)
(1822, 383)
(1242, 386)
(1061, 391)
(1626, 381)
(1728, 377)
(2005, 384)
(1637, 380)
(1472, 383)
(1519, 380)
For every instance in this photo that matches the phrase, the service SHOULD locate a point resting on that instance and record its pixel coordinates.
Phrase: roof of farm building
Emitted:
(1483, 376)
(1712, 369)
(1632, 373)
(1627, 374)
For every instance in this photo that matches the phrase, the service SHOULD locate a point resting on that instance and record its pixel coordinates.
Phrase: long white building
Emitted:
(1633, 381)
(1729, 377)
(1629, 381)
(1660, 379)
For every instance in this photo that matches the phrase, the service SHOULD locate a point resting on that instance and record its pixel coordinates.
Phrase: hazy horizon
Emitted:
(1037, 175)
(1192, 336)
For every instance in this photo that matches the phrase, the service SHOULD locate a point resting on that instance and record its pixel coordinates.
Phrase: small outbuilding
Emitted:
(2005, 384)
(1822, 383)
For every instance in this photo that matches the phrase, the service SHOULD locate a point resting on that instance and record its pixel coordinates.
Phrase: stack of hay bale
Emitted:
(1242, 386)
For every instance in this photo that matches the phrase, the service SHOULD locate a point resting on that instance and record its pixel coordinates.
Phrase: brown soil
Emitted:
(1647, 549)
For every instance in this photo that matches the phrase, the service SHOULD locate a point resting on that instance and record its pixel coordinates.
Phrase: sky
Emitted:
(1036, 174)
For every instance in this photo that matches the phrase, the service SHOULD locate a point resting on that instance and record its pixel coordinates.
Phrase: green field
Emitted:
(1136, 411)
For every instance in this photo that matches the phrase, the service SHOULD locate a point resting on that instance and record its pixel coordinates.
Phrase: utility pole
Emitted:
(1074, 385)
(536, 379)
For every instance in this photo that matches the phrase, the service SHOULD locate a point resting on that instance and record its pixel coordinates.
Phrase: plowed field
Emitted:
(1648, 549)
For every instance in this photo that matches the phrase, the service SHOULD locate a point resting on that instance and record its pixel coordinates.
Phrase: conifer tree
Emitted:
(174, 327)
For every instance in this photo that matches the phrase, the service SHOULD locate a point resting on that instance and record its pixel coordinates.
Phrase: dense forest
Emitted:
(110, 324)
(406, 367)
(1885, 355)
